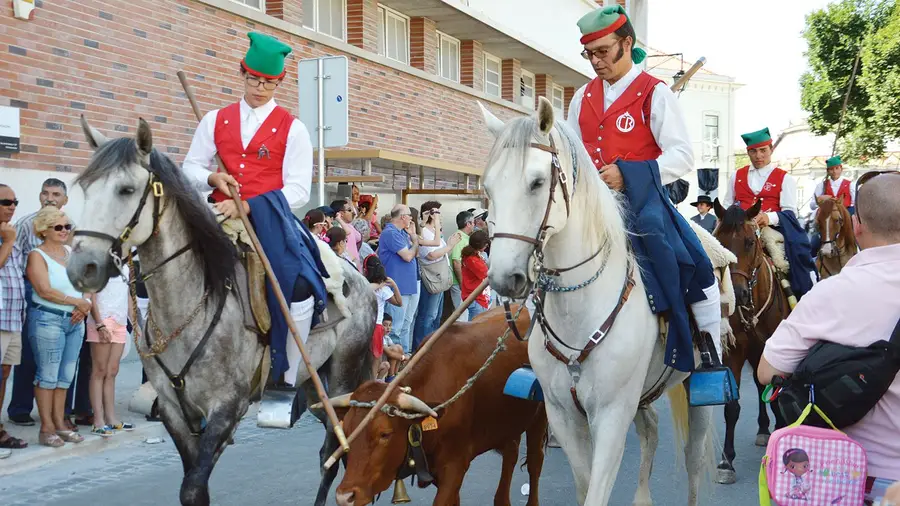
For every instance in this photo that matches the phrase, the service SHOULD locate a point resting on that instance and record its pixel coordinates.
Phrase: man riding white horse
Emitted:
(634, 130)
(268, 155)
(761, 180)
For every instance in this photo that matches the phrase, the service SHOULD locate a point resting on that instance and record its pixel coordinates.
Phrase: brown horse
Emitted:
(761, 306)
(838, 244)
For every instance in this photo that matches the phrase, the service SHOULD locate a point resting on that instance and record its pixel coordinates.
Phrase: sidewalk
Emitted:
(127, 382)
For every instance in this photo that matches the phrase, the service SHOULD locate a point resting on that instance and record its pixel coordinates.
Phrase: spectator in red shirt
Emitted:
(474, 271)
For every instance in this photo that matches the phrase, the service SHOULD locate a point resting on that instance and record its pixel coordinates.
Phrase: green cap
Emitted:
(834, 161)
(601, 22)
(757, 138)
(265, 58)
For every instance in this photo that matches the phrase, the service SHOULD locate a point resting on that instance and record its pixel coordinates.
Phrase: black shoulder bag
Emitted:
(845, 382)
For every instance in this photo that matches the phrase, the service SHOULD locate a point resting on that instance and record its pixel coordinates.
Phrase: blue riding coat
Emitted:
(798, 250)
(674, 266)
(293, 253)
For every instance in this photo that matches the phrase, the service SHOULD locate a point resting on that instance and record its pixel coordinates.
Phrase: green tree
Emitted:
(881, 75)
(836, 36)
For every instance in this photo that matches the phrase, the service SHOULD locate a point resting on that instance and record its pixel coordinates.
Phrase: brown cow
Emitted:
(482, 419)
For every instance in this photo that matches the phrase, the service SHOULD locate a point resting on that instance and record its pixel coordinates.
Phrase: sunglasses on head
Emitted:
(865, 178)
(60, 228)
(8, 202)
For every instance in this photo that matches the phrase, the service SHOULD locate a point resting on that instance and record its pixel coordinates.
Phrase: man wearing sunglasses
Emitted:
(634, 131)
(267, 155)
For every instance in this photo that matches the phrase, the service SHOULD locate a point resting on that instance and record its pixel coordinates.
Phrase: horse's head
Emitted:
(833, 222)
(117, 189)
(737, 232)
(527, 183)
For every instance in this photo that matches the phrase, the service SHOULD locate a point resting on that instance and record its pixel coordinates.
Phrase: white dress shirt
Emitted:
(835, 186)
(756, 178)
(298, 155)
(666, 122)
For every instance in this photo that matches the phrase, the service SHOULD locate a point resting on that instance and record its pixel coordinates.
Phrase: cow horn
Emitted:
(412, 403)
(341, 401)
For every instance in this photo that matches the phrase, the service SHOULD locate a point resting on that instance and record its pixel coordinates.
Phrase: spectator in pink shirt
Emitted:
(859, 306)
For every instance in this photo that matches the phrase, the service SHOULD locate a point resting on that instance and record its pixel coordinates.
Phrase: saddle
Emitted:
(251, 280)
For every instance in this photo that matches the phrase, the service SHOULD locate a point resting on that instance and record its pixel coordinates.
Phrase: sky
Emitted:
(759, 43)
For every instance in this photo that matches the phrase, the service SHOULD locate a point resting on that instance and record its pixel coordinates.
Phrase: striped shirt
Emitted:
(12, 281)
(26, 239)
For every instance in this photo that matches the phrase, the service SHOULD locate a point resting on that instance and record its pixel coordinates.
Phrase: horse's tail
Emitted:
(678, 402)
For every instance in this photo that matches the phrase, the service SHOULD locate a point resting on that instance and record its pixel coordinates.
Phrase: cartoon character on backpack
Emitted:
(796, 461)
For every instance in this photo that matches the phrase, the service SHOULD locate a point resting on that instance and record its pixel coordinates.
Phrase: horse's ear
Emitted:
(544, 115)
(144, 138)
(720, 211)
(753, 211)
(495, 126)
(94, 138)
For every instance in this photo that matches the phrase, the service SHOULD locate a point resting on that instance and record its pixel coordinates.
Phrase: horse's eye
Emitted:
(536, 184)
(386, 435)
(126, 190)
(748, 244)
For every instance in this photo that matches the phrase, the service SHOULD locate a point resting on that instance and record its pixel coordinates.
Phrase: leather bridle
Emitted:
(752, 280)
(557, 177)
(155, 187)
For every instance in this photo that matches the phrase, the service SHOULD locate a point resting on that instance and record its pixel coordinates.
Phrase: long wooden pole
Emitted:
(837, 133)
(689, 74)
(273, 281)
(402, 374)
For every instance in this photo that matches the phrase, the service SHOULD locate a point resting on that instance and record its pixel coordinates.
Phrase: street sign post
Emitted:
(322, 89)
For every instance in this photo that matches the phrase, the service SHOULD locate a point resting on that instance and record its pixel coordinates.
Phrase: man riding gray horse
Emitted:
(266, 153)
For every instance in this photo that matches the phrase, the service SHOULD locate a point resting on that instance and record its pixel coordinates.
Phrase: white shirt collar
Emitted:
(764, 170)
(262, 112)
(619, 86)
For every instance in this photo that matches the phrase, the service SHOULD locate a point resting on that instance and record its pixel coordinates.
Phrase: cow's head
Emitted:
(380, 450)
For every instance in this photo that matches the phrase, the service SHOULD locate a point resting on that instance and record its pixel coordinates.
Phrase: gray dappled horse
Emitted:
(130, 186)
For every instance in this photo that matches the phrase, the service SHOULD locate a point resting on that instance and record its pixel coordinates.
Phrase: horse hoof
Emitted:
(725, 476)
(762, 440)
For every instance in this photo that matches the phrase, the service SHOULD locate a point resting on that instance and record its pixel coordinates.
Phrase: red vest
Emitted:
(258, 168)
(623, 131)
(843, 191)
(770, 193)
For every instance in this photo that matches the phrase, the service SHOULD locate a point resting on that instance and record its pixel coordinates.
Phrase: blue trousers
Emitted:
(431, 305)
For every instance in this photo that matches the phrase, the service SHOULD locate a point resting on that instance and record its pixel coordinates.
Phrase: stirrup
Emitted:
(523, 384)
(276, 409)
(711, 384)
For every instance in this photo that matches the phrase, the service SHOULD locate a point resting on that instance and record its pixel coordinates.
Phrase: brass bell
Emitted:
(400, 495)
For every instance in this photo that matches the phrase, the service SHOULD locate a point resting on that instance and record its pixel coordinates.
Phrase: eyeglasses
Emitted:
(8, 202)
(254, 82)
(865, 178)
(600, 53)
(59, 228)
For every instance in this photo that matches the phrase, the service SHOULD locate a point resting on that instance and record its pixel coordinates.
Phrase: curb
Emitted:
(36, 455)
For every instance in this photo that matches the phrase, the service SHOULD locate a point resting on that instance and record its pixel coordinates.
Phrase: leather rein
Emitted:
(543, 284)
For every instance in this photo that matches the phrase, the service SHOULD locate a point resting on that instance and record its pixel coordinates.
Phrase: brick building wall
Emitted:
(116, 61)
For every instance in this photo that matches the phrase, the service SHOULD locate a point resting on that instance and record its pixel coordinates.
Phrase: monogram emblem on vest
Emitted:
(768, 186)
(625, 122)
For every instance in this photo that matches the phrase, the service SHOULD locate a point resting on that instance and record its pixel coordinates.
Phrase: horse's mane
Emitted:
(589, 196)
(207, 240)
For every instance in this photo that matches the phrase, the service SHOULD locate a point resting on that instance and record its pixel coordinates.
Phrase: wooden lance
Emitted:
(320, 390)
(402, 374)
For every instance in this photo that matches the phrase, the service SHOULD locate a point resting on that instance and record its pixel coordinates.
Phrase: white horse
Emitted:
(583, 227)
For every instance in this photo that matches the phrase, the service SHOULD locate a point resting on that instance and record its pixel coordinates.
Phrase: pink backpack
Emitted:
(811, 466)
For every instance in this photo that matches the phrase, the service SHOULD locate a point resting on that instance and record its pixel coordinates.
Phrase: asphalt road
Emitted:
(274, 467)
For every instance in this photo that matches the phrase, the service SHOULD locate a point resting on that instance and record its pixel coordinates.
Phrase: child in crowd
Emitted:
(474, 271)
(337, 239)
(385, 291)
(394, 352)
(315, 222)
